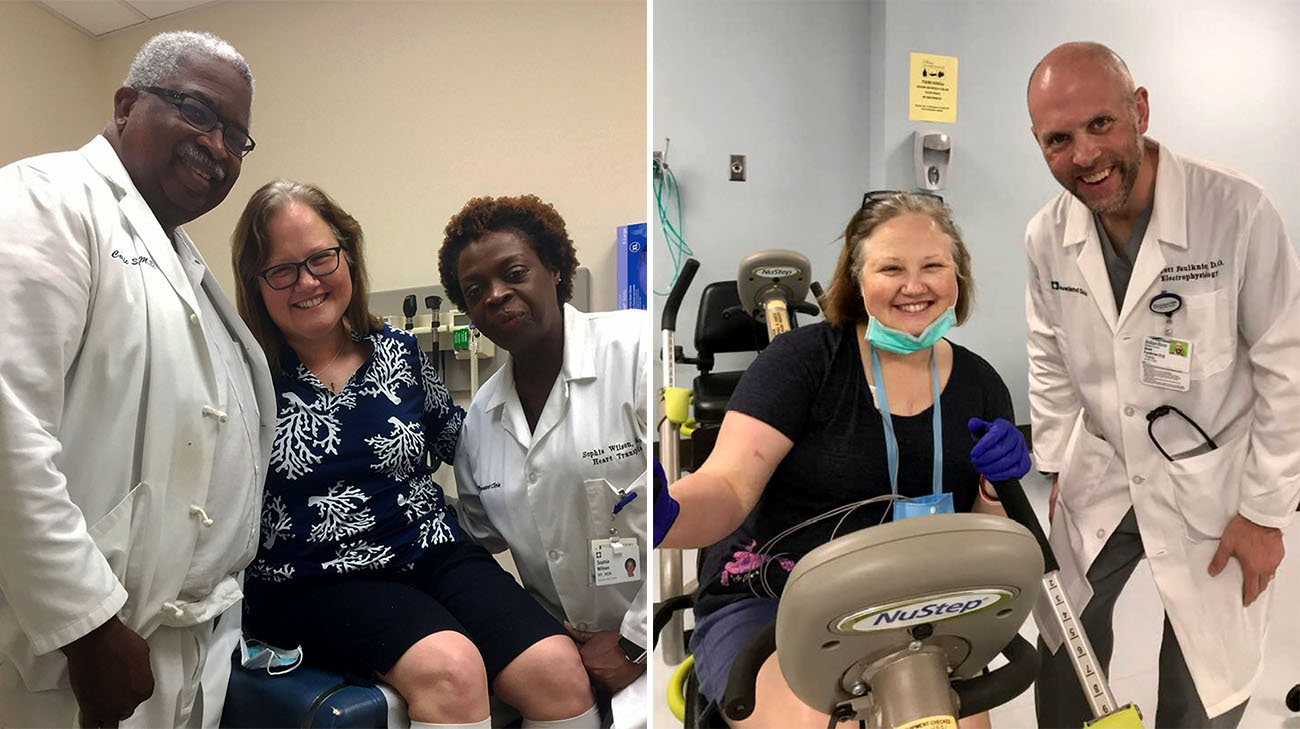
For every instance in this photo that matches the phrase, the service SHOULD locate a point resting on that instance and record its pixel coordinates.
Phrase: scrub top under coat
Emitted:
(535, 492)
(1217, 241)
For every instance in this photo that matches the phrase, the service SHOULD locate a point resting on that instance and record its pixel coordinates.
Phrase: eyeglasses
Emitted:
(875, 196)
(201, 116)
(318, 264)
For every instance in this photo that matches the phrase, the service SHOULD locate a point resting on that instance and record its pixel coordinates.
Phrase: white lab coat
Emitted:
(106, 428)
(1218, 242)
(531, 491)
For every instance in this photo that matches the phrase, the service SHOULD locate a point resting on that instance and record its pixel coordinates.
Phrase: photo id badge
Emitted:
(1167, 363)
(614, 561)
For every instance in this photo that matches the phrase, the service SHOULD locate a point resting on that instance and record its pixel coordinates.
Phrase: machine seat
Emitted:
(712, 392)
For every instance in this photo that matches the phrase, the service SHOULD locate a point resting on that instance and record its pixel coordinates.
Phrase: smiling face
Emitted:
(509, 293)
(908, 276)
(181, 172)
(1089, 127)
(312, 309)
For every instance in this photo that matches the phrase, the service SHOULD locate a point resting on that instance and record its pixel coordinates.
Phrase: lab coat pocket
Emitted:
(1211, 329)
(124, 535)
(112, 533)
(600, 505)
(1207, 488)
(1088, 462)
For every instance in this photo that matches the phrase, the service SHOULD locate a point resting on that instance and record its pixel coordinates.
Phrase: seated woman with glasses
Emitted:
(835, 413)
(361, 562)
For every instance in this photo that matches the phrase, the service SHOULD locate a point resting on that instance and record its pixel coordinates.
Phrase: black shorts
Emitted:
(363, 623)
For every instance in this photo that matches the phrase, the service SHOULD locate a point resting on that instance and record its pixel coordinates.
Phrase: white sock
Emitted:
(486, 723)
(589, 719)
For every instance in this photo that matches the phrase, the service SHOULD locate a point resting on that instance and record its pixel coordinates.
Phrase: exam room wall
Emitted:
(402, 111)
(824, 118)
(51, 101)
(783, 83)
(1211, 71)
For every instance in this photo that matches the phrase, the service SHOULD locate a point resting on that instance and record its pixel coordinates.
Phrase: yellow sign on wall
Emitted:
(932, 88)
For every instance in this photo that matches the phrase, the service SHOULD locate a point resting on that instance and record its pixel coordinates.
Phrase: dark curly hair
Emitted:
(535, 221)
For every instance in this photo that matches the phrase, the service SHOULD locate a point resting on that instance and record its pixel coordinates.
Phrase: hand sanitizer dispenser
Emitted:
(930, 152)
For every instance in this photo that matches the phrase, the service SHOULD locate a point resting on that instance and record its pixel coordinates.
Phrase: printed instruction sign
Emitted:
(932, 88)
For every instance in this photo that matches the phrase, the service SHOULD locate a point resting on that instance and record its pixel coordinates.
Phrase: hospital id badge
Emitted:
(1167, 363)
(614, 561)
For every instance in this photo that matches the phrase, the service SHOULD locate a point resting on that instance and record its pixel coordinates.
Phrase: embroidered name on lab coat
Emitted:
(1191, 271)
(614, 452)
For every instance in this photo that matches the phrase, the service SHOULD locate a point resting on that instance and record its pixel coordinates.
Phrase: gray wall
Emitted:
(832, 77)
(782, 83)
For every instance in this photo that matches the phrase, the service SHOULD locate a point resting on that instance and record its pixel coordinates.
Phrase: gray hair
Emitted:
(161, 56)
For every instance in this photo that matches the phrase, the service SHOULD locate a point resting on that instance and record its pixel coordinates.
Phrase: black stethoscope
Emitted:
(1163, 410)
(1166, 303)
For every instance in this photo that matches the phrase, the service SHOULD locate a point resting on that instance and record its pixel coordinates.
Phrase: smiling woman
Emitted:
(361, 562)
(874, 401)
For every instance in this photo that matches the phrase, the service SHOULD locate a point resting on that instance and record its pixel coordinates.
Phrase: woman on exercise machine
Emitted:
(872, 403)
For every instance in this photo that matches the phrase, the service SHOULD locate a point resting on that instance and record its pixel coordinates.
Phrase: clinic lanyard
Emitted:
(891, 442)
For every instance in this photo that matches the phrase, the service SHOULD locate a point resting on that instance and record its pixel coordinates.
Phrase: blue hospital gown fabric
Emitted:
(349, 488)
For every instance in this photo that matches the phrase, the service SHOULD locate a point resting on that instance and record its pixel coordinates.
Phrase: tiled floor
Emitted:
(1137, 639)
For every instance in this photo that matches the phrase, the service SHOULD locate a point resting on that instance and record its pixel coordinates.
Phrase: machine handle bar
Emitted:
(738, 701)
(1013, 499)
(678, 292)
(805, 307)
(974, 695)
(1001, 685)
(664, 612)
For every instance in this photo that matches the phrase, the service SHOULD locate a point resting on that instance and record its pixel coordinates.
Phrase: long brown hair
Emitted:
(844, 307)
(249, 248)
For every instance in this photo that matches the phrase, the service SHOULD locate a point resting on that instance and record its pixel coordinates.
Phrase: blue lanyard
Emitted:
(891, 442)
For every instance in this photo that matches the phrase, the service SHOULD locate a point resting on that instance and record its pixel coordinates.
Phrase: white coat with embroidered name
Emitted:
(107, 429)
(1216, 241)
(542, 493)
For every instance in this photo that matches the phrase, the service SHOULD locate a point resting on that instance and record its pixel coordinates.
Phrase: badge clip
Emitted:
(1166, 303)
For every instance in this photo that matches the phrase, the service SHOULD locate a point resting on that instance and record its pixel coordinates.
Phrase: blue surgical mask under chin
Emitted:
(900, 342)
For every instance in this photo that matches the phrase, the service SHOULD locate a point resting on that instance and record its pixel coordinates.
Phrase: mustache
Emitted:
(200, 156)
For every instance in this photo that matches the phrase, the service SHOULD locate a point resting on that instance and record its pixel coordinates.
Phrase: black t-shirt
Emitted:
(809, 385)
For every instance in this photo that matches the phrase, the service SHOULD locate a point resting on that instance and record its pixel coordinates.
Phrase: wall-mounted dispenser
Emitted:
(931, 151)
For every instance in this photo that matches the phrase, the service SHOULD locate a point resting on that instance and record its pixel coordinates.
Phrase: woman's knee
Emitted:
(548, 676)
(442, 678)
(776, 705)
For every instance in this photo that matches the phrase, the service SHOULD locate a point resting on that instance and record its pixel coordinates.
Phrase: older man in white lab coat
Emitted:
(1164, 343)
(135, 408)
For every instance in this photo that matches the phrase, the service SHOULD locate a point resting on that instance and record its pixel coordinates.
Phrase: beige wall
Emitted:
(49, 98)
(404, 110)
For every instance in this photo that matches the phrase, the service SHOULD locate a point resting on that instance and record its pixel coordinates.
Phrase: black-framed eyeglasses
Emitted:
(318, 264)
(201, 116)
(875, 196)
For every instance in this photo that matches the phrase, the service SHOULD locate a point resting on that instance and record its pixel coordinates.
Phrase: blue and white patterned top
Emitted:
(349, 487)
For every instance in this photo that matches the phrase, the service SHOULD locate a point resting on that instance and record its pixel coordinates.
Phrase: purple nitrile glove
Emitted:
(1001, 453)
(665, 506)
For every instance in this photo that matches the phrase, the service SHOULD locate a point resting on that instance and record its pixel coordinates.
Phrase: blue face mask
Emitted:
(900, 342)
